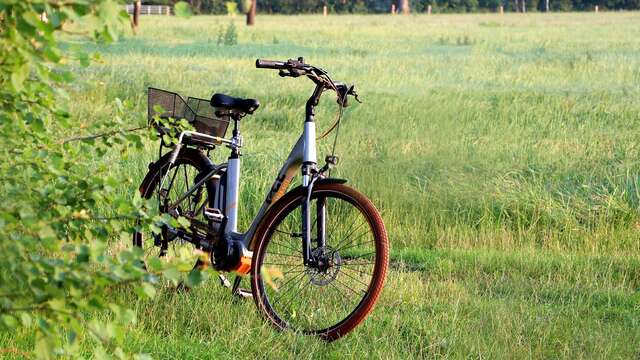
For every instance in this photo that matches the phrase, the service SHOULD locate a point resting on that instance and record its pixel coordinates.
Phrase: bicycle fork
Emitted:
(309, 176)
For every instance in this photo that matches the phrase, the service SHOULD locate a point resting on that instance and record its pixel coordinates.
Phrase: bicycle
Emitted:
(317, 255)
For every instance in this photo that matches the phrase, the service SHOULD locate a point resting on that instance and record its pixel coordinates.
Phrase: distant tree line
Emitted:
(416, 6)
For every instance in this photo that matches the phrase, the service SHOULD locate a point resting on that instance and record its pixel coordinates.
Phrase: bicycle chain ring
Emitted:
(328, 266)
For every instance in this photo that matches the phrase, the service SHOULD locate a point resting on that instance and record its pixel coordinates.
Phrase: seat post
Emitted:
(233, 179)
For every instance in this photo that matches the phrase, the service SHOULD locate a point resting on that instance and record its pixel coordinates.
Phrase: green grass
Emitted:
(501, 150)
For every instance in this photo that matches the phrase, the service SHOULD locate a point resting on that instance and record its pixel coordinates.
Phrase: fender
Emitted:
(319, 181)
(331, 181)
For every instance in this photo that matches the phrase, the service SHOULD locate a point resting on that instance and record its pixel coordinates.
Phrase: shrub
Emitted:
(61, 207)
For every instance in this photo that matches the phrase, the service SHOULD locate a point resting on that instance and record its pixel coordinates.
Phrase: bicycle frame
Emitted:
(303, 156)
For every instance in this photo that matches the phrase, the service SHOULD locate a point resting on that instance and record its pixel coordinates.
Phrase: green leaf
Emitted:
(25, 319)
(9, 321)
(18, 76)
(108, 10)
(172, 274)
(184, 222)
(194, 278)
(44, 349)
(46, 233)
(154, 264)
(182, 9)
(146, 291)
(32, 18)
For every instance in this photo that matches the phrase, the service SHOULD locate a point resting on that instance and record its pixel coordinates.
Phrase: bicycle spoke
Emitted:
(358, 280)
(358, 271)
(293, 297)
(287, 255)
(356, 264)
(284, 246)
(339, 282)
(281, 264)
(361, 256)
(349, 235)
(298, 276)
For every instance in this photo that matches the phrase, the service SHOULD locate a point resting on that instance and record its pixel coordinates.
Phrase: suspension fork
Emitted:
(309, 173)
(306, 220)
(307, 225)
(321, 221)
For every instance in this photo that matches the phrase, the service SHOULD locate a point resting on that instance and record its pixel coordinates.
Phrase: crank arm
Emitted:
(195, 240)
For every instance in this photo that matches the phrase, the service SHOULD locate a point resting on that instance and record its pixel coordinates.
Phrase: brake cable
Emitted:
(336, 123)
(341, 101)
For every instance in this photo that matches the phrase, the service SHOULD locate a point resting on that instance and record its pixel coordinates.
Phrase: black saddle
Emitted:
(247, 106)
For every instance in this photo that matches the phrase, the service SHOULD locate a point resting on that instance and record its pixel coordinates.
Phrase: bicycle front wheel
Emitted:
(335, 293)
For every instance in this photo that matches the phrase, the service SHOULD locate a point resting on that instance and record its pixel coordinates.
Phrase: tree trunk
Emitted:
(251, 14)
(524, 6)
(516, 8)
(136, 13)
(405, 7)
(546, 5)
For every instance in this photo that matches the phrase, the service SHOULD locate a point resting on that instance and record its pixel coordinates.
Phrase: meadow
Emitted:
(501, 150)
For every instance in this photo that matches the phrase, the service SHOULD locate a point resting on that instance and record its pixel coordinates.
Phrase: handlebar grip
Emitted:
(270, 64)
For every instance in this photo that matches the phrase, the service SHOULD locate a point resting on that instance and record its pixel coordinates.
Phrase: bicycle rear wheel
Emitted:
(178, 178)
(333, 296)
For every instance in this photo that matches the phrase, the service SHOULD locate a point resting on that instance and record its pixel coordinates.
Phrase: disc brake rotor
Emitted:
(328, 262)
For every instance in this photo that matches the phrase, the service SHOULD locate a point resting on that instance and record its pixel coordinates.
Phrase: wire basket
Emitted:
(198, 112)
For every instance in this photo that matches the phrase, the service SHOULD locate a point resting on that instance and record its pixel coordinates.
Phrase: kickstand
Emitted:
(223, 281)
(239, 292)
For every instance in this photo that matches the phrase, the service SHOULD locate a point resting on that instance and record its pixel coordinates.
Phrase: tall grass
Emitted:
(523, 133)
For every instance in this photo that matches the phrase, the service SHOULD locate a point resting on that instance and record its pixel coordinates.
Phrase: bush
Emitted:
(61, 206)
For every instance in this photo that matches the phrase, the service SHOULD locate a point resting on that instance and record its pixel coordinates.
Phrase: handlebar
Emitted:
(297, 67)
(270, 64)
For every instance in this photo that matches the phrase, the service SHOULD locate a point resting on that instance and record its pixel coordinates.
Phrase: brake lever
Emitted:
(291, 73)
(352, 92)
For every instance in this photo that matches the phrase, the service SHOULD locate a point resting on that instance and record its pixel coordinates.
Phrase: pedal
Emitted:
(213, 214)
(238, 292)
(243, 293)
(223, 281)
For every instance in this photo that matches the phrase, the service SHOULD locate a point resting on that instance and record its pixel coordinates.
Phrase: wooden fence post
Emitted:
(501, 10)
(136, 13)
(324, 10)
(596, 8)
(393, 8)
(251, 15)
(429, 10)
(405, 7)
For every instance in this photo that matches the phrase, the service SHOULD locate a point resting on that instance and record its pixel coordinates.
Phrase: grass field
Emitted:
(502, 152)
